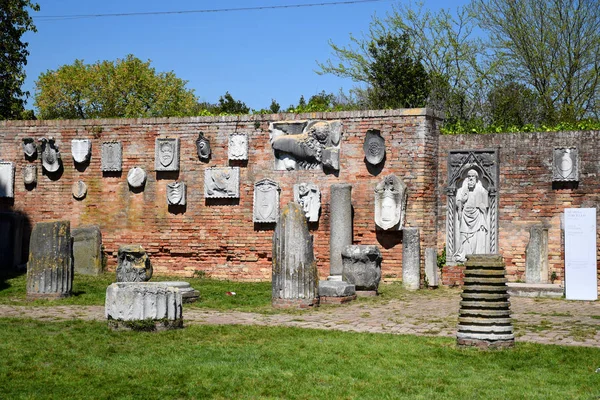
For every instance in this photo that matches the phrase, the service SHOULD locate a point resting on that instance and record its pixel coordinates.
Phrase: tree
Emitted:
(14, 22)
(228, 105)
(125, 88)
(512, 104)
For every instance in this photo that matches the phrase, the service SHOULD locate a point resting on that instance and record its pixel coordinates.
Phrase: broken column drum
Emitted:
(341, 225)
(484, 319)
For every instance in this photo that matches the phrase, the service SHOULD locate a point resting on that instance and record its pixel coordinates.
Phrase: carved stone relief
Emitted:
(176, 192)
(222, 182)
(266, 201)
(133, 264)
(472, 211)
(81, 149)
(308, 196)
(391, 196)
(374, 147)
(565, 164)
(306, 144)
(112, 156)
(50, 155)
(30, 174)
(29, 147)
(136, 177)
(7, 179)
(166, 154)
(203, 147)
(79, 190)
(238, 146)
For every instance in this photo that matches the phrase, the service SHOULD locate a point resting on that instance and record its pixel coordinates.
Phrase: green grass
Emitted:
(77, 359)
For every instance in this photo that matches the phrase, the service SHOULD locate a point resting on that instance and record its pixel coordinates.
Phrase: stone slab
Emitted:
(411, 258)
(336, 289)
(87, 250)
(536, 290)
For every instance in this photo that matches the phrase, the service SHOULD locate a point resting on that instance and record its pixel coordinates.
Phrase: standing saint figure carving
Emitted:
(472, 202)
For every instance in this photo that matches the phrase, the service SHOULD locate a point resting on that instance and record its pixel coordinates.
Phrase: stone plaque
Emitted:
(79, 189)
(166, 154)
(29, 147)
(50, 155)
(203, 147)
(581, 279)
(390, 203)
(238, 146)
(81, 150)
(87, 250)
(565, 165)
(136, 177)
(472, 211)
(222, 182)
(112, 156)
(176, 194)
(308, 196)
(30, 174)
(7, 179)
(266, 201)
(306, 144)
(374, 147)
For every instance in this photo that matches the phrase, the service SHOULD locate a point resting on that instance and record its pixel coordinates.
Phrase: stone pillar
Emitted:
(295, 275)
(362, 268)
(536, 258)
(411, 258)
(87, 250)
(431, 268)
(484, 319)
(50, 268)
(340, 220)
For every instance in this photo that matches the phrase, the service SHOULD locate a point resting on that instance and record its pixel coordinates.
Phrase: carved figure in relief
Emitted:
(203, 146)
(472, 203)
(166, 153)
(50, 155)
(221, 182)
(176, 193)
(390, 203)
(309, 197)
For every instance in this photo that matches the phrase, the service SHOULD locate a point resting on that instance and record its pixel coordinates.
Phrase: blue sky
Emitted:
(255, 55)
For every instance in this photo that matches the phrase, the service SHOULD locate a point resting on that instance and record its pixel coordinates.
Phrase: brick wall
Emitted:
(218, 236)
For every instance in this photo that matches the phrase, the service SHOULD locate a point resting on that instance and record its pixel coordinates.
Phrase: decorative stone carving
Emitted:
(133, 264)
(362, 266)
(203, 147)
(50, 155)
(176, 192)
(87, 250)
(130, 302)
(308, 196)
(29, 148)
(565, 164)
(112, 156)
(411, 258)
(7, 179)
(238, 146)
(306, 144)
(266, 201)
(374, 147)
(136, 177)
(166, 154)
(81, 150)
(295, 276)
(472, 211)
(79, 190)
(391, 195)
(222, 182)
(30, 174)
(49, 269)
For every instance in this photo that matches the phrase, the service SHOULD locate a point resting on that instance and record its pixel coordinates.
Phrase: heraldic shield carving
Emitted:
(29, 148)
(374, 147)
(176, 194)
(203, 147)
(81, 149)
(30, 174)
(391, 196)
(565, 164)
(166, 153)
(238, 146)
(266, 201)
(50, 155)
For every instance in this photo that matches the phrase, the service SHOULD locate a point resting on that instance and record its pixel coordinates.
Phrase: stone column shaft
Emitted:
(340, 220)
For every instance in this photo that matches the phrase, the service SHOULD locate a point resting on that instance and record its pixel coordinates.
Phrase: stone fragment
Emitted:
(11, 240)
(79, 190)
(431, 268)
(30, 174)
(29, 148)
(50, 268)
(166, 154)
(188, 293)
(266, 201)
(112, 156)
(308, 196)
(391, 196)
(87, 250)
(565, 166)
(295, 276)
(336, 289)
(362, 266)
(7, 179)
(222, 182)
(136, 177)
(176, 193)
(340, 225)
(374, 147)
(238, 146)
(203, 147)
(411, 258)
(331, 158)
(81, 149)
(133, 264)
(147, 306)
(51, 160)
(536, 256)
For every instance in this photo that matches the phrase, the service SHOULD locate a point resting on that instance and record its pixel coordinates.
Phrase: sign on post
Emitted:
(581, 281)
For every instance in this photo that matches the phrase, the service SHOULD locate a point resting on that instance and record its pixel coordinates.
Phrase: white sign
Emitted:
(581, 280)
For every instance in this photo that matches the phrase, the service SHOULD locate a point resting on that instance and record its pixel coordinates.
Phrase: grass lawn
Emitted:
(77, 359)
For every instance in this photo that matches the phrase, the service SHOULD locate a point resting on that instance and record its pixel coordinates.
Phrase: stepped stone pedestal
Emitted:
(147, 306)
(484, 320)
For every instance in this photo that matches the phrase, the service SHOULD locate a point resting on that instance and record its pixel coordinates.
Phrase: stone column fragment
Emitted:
(536, 259)
(340, 221)
(411, 258)
(431, 268)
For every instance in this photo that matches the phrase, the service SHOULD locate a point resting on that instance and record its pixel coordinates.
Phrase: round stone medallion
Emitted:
(79, 190)
(136, 177)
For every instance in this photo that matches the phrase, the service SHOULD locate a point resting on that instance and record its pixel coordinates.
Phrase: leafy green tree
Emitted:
(14, 22)
(229, 105)
(513, 104)
(274, 107)
(126, 87)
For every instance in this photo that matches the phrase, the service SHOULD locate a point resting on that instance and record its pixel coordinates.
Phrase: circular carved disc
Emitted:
(136, 177)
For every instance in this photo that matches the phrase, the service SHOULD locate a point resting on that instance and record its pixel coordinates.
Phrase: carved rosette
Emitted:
(266, 201)
(112, 156)
(391, 196)
(166, 154)
(374, 147)
(238, 146)
(565, 166)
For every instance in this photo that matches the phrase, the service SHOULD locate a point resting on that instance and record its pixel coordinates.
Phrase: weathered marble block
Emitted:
(51, 159)
(565, 165)
(29, 148)
(411, 258)
(188, 293)
(362, 266)
(374, 147)
(30, 174)
(143, 306)
(340, 225)
(79, 190)
(81, 149)
(431, 268)
(203, 147)
(133, 264)
(536, 256)
(136, 177)
(50, 268)
(87, 250)
(391, 196)
(176, 193)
